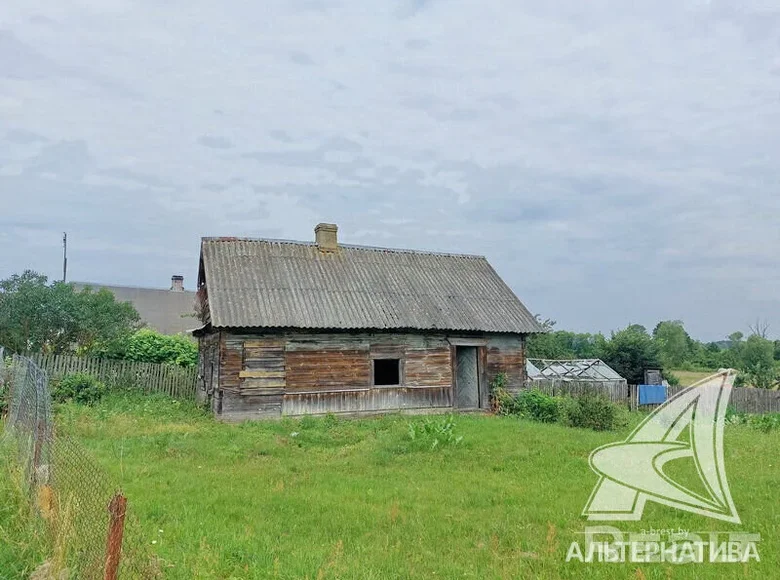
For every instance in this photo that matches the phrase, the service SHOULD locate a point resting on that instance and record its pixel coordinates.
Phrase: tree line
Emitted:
(38, 316)
(668, 347)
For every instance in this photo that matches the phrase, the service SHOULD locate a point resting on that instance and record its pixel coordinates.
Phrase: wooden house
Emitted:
(297, 328)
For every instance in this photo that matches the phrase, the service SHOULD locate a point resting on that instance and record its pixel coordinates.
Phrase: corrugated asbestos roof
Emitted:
(282, 284)
(166, 311)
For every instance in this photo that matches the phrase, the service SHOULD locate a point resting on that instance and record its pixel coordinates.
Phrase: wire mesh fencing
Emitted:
(90, 534)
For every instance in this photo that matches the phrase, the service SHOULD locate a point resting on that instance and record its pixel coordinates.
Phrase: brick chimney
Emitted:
(177, 283)
(326, 237)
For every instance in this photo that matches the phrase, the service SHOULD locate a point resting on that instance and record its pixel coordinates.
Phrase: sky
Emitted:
(617, 162)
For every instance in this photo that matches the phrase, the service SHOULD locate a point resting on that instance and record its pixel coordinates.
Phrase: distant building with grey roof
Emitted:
(293, 328)
(170, 311)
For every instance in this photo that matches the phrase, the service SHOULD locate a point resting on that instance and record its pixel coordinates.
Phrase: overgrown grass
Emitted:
(22, 536)
(330, 498)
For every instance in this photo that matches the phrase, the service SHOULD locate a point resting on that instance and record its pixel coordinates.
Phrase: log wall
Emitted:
(208, 368)
(294, 373)
(507, 355)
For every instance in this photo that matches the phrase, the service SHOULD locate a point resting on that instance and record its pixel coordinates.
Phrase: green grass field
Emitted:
(687, 378)
(327, 498)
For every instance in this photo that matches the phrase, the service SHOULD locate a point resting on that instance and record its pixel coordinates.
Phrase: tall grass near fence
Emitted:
(88, 533)
(174, 381)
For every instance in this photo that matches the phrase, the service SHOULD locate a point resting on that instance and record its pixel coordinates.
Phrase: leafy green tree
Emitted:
(707, 356)
(562, 344)
(36, 316)
(736, 337)
(757, 362)
(630, 352)
(732, 356)
(673, 342)
(637, 328)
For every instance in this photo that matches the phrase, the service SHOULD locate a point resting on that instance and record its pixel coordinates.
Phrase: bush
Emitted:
(79, 388)
(538, 406)
(765, 423)
(505, 403)
(590, 411)
(150, 346)
(532, 404)
(499, 396)
(434, 433)
(671, 378)
(593, 412)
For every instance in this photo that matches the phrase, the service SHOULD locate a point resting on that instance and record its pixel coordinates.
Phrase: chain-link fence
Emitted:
(90, 535)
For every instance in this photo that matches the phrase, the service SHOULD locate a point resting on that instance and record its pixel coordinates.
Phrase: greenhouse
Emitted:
(580, 370)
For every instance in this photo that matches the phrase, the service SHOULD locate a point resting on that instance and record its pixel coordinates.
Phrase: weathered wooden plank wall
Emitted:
(171, 380)
(208, 367)
(363, 401)
(231, 359)
(327, 369)
(428, 367)
(506, 355)
(295, 373)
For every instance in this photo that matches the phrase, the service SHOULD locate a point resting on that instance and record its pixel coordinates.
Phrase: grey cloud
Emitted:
(213, 187)
(505, 102)
(301, 58)
(339, 143)
(409, 8)
(281, 136)
(136, 177)
(417, 70)
(417, 44)
(313, 157)
(311, 5)
(20, 61)
(64, 159)
(41, 20)
(517, 211)
(215, 142)
(24, 137)
(614, 162)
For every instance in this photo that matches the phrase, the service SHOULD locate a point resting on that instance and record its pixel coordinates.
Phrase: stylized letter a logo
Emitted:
(631, 472)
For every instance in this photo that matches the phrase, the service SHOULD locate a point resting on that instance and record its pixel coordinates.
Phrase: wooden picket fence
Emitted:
(177, 382)
(615, 391)
(743, 399)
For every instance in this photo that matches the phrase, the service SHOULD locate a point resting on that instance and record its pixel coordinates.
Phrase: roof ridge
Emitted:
(347, 246)
(100, 285)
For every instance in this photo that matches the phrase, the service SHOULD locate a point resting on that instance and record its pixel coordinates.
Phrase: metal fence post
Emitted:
(116, 529)
(37, 447)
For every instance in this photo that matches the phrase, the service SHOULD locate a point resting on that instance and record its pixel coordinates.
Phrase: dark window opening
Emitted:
(387, 371)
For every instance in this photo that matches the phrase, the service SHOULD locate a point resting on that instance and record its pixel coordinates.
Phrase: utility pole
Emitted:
(64, 256)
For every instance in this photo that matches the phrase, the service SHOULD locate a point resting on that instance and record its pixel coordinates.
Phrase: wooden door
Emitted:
(466, 378)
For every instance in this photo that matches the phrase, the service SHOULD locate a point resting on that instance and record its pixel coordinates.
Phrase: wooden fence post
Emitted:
(116, 530)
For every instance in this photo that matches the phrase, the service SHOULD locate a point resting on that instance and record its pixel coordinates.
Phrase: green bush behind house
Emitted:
(589, 411)
(150, 346)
